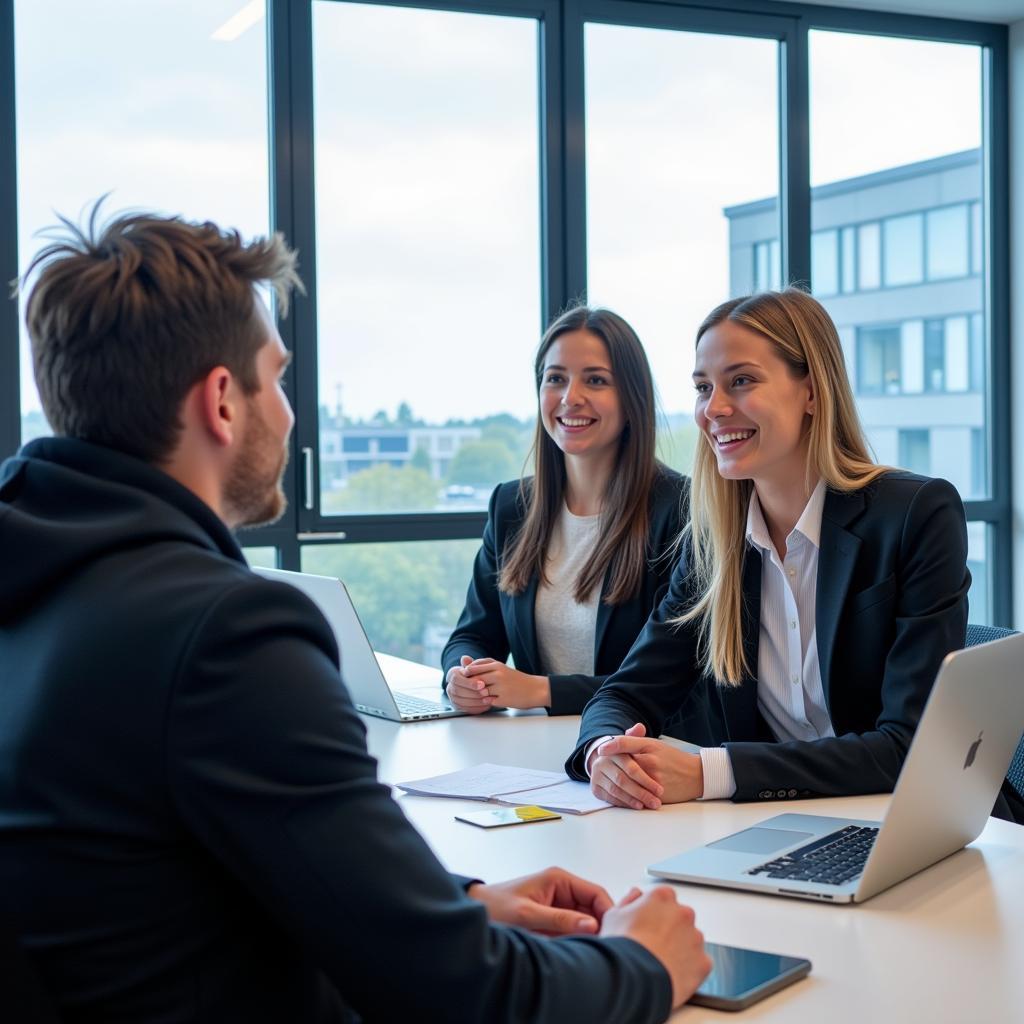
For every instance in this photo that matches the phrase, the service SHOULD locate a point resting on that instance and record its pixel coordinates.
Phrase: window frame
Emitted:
(563, 218)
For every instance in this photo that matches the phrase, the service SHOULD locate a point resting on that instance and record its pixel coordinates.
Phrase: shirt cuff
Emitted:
(719, 781)
(590, 750)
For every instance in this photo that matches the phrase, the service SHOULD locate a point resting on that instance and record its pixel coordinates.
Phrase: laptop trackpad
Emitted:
(759, 840)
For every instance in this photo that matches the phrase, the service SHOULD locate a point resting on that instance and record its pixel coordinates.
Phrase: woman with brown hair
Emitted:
(815, 596)
(573, 557)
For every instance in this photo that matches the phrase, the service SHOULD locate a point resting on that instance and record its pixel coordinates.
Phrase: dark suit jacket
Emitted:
(191, 828)
(891, 603)
(494, 624)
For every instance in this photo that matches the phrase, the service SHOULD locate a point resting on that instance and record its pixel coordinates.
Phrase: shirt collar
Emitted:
(808, 525)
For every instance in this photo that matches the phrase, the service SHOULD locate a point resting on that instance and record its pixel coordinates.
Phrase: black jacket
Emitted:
(891, 602)
(191, 828)
(494, 624)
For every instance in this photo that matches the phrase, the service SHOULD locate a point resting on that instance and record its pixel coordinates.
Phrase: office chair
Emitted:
(22, 998)
(982, 635)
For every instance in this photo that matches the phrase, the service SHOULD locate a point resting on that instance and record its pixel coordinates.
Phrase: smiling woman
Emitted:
(572, 557)
(815, 596)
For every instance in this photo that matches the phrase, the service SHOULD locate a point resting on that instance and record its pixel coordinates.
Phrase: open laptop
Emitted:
(362, 672)
(956, 763)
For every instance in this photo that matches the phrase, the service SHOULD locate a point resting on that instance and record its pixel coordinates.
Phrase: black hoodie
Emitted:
(190, 824)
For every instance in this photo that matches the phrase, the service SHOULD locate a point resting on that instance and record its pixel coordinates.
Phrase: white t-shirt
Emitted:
(565, 628)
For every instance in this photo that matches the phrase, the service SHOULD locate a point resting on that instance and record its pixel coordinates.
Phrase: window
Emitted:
(902, 250)
(767, 269)
(426, 141)
(179, 128)
(879, 360)
(869, 263)
(849, 260)
(675, 221)
(825, 262)
(948, 251)
(915, 451)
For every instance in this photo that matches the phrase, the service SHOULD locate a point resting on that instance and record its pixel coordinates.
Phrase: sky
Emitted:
(426, 164)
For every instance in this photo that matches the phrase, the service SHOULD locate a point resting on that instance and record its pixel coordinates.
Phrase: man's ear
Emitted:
(218, 405)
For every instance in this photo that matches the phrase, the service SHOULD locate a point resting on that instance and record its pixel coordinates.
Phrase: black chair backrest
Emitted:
(982, 635)
(22, 998)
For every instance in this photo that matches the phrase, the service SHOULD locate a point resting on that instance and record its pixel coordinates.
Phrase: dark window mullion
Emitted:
(10, 398)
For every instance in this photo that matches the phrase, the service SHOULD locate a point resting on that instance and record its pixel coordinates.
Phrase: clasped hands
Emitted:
(478, 685)
(637, 771)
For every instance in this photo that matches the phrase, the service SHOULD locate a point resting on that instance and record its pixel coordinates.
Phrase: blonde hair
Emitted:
(804, 337)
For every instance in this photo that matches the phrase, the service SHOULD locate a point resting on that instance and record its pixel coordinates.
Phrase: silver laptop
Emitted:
(372, 693)
(957, 761)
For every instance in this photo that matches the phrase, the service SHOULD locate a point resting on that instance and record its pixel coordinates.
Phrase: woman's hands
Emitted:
(476, 686)
(638, 772)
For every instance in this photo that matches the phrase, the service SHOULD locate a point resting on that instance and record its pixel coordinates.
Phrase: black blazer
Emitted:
(494, 624)
(891, 603)
(191, 828)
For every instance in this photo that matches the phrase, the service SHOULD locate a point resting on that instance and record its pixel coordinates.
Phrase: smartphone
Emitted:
(742, 977)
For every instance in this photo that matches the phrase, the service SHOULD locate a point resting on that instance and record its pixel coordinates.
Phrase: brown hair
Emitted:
(125, 319)
(622, 548)
(804, 337)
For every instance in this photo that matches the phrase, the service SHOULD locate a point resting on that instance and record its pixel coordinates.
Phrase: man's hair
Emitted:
(125, 319)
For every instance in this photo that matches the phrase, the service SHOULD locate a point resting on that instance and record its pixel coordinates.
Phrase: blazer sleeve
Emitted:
(480, 631)
(654, 680)
(268, 769)
(930, 611)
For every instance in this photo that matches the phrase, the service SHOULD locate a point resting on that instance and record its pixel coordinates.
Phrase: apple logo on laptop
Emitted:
(972, 751)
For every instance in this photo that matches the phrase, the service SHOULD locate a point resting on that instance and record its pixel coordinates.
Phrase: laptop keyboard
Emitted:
(832, 860)
(417, 706)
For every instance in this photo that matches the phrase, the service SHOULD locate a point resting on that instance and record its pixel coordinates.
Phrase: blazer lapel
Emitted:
(604, 615)
(524, 605)
(836, 558)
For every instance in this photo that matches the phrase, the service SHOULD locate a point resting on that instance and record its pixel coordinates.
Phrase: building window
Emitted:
(977, 239)
(879, 360)
(767, 266)
(934, 356)
(848, 260)
(916, 451)
(903, 249)
(825, 262)
(869, 256)
(948, 248)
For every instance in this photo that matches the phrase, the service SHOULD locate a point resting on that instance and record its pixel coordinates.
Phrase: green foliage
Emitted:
(481, 463)
(401, 589)
(384, 489)
(420, 459)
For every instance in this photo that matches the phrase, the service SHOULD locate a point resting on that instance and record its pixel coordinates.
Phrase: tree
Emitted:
(384, 489)
(421, 459)
(482, 463)
(404, 414)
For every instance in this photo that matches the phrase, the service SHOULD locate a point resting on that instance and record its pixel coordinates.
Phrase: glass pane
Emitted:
(179, 127)
(902, 250)
(948, 245)
(680, 215)
(897, 156)
(428, 253)
(825, 262)
(261, 557)
(979, 597)
(408, 595)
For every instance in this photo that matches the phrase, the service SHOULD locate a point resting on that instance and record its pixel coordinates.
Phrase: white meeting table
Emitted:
(946, 946)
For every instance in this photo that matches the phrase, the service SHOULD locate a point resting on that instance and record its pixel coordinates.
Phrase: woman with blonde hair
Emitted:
(815, 596)
(574, 557)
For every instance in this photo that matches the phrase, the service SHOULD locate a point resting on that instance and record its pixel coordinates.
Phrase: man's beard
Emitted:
(253, 495)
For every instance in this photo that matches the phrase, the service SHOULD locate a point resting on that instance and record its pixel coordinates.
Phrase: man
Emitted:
(191, 827)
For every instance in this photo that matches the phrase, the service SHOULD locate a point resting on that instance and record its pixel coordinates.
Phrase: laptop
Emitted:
(957, 761)
(372, 693)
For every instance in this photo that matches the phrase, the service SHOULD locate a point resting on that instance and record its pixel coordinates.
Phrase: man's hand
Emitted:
(637, 772)
(665, 929)
(553, 902)
(476, 686)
